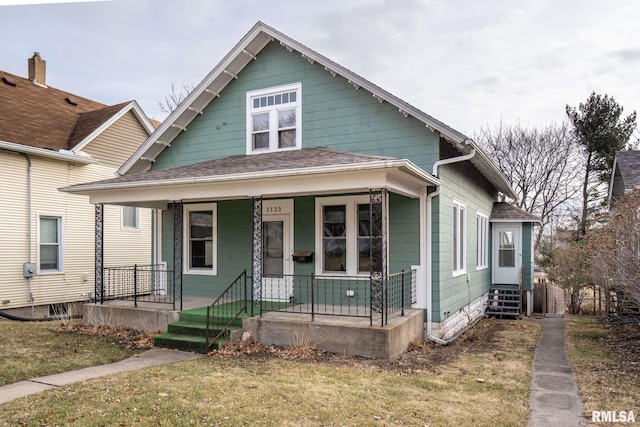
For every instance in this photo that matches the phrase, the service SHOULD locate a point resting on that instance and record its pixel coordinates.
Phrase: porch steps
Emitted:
(504, 301)
(189, 332)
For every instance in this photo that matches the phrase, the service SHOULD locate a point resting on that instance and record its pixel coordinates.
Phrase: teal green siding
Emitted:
(527, 255)
(334, 115)
(450, 293)
(404, 233)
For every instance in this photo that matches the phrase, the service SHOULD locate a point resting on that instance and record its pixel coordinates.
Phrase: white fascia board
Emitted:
(317, 182)
(42, 152)
(343, 182)
(514, 220)
(381, 165)
(613, 176)
(183, 108)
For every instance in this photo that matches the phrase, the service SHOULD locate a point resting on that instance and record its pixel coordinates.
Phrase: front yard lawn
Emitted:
(482, 379)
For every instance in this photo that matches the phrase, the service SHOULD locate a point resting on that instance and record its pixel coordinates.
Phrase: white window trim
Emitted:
(351, 203)
(482, 243)
(126, 227)
(213, 207)
(61, 228)
(273, 130)
(458, 244)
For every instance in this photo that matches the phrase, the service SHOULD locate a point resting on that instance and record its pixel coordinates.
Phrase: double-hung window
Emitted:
(344, 243)
(273, 119)
(482, 229)
(130, 217)
(200, 238)
(459, 238)
(50, 244)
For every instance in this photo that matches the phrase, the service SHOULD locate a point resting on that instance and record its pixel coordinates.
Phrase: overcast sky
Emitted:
(468, 63)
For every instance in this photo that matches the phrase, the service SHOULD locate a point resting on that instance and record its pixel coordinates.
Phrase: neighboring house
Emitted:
(282, 162)
(51, 139)
(626, 174)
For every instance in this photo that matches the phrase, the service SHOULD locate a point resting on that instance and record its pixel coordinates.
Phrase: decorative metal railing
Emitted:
(338, 295)
(227, 309)
(139, 283)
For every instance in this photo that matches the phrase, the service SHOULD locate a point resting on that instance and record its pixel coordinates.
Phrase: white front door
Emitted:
(277, 248)
(507, 253)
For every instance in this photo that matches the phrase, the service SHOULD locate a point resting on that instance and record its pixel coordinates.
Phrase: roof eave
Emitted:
(400, 164)
(42, 152)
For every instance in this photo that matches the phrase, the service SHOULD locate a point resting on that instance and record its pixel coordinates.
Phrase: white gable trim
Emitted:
(132, 106)
(245, 51)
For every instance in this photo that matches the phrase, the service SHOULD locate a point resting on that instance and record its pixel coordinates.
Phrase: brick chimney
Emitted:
(38, 70)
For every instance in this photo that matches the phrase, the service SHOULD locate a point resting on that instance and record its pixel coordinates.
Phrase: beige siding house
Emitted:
(51, 139)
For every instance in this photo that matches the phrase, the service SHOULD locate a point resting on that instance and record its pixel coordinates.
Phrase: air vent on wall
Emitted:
(71, 101)
(8, 81)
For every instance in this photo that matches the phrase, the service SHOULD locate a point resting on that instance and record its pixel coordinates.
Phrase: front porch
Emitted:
(332, 314)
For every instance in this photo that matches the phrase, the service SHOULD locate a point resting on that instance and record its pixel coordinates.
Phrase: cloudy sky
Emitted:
(468, 63)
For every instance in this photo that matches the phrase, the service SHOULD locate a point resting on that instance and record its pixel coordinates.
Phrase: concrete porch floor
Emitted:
(338, 334)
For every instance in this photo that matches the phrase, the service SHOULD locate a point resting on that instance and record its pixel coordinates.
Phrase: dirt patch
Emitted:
(419, 357)
(125, 337)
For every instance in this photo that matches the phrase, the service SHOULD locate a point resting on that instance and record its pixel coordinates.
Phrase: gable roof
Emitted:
(507, 212)
(626, 173)
(247, 50)
(48, 121)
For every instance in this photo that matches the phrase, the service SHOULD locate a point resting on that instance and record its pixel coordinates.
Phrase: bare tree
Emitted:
(616, 247)
(542, 165)
(173, 99)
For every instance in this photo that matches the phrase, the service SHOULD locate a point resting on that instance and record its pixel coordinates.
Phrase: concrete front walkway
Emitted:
(554, 397)
(148, 358)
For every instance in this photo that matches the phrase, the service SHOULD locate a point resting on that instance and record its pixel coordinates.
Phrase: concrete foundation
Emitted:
(338, 334)
(140, 319)
(459, 320)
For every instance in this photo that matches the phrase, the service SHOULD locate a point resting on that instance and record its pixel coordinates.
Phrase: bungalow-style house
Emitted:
(327, 191)
(50, 138)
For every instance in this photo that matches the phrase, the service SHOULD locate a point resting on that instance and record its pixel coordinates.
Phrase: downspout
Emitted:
(29, 234)
(429, 265)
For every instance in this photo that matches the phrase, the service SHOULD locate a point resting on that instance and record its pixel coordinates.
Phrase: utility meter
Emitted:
(29, 269)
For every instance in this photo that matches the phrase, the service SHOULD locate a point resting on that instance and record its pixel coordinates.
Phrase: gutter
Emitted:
(350, 167)
(429, 199)
(42, 152)
(29, 233)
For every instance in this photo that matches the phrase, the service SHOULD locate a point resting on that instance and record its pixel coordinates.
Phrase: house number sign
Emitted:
(273, 209)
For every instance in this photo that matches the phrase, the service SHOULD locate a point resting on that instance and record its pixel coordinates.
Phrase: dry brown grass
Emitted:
(484, 379)
(606, 361)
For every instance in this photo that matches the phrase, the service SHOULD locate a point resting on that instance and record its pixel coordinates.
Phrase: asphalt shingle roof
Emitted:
(42, 117)
(629, 165)
(507, 211)
(256, 163)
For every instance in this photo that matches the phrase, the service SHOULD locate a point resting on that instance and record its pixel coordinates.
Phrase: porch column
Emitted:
(378, 235)
(178, 226)
(256, 254)
(99, 254)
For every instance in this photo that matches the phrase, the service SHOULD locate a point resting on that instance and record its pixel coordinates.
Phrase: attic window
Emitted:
(71, 101)
(8, 81)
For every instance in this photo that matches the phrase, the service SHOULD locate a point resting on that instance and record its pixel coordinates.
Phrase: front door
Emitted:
(507, 253)
(277, 248)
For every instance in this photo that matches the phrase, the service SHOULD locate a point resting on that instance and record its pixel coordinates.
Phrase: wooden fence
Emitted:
(548, 299)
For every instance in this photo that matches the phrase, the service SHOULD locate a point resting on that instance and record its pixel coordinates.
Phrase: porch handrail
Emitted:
(237, 288)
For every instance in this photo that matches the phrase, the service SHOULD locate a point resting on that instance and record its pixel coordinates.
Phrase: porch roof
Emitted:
(296, 172)
(507, 212)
